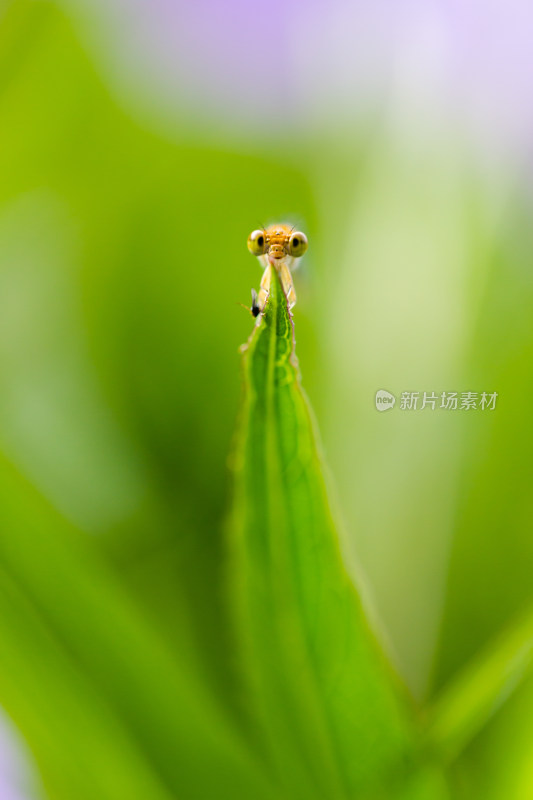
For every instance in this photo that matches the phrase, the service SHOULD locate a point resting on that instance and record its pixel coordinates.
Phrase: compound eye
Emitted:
(297, 244)
(257, 243)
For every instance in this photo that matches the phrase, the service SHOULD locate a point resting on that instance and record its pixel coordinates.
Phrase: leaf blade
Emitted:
(321, 688)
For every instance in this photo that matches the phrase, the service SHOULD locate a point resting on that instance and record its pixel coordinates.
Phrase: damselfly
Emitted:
(277, 247)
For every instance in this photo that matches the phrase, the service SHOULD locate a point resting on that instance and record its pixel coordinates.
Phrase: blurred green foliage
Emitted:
(122, 259)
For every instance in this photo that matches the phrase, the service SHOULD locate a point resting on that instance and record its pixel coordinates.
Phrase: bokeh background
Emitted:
(140, 143)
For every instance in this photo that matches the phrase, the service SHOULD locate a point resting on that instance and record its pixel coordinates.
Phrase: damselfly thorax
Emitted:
(277, 247)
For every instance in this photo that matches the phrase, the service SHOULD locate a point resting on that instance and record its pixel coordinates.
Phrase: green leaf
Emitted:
(465, 706)
(332, 722)
(106, 706)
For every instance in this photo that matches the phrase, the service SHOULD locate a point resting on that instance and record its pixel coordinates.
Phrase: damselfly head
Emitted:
(277, 242)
